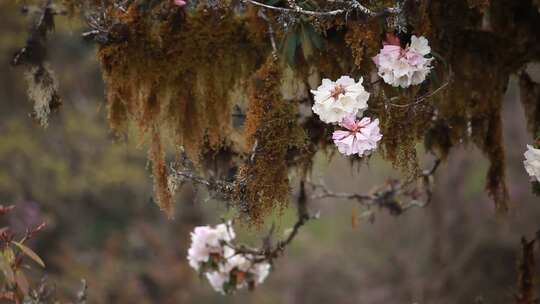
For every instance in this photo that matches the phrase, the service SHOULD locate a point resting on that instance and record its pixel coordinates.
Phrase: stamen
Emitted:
(338, 89)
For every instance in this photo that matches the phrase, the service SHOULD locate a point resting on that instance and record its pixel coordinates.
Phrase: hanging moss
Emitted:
(179, 72)
(176, 75)
(271, 131)
(159, 172)
(473, 107)
(419, 17)
(402, 128)
(363, 40)
(437, 139)
(530, 99)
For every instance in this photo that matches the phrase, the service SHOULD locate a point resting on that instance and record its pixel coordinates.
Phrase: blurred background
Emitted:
(94, 191)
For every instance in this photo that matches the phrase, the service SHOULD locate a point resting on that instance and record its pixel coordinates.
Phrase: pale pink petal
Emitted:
(180, 3)
(364, 122)
(339, 135)
(345, 81)
(349, 122)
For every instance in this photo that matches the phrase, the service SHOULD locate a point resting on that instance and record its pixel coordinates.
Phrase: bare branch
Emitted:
(263, 16)
(424, 97)
(220, 188)
(353, 6)
(269, 252)
(387, 196)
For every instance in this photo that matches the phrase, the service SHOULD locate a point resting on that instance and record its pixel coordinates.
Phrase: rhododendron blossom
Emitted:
(240, 269)
(532, 162)
(217, 280)
(257, 272)
(212, 254)
(335, 100)
(206, 242)
(403, 67)
(360, 138)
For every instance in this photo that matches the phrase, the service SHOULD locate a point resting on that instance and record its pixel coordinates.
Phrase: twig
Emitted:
(526, 273)
(269, 252)
(424, 97)
(271, 33)
(354, 6)
(82, 295)
(222, 188)
(387, 195)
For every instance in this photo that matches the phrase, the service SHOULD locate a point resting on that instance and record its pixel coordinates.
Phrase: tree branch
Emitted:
(388, 195)
(354, 5)
(269, 252)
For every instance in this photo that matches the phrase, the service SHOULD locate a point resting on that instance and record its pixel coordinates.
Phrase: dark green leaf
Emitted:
(290, 44)
(435, 80)
(307, 47)
(272, 2)
(314, 36)
(440, 58)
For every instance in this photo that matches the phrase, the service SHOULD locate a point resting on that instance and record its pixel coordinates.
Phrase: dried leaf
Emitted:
(9, 255)
(6, 269)
(22, 282)
(30, 253)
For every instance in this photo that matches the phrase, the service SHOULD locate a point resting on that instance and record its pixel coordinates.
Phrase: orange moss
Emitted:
(159, 172)
(272, 131)
(175, 76)
(364, 40)
(419, 17)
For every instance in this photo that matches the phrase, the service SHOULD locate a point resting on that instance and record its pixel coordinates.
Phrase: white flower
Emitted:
(404, 67)
(205, 241)
(238, 261)
(532, 162)
(335, 100)
(420, 45)
(260, 272)
(244, 263)
(212, 244)
(217, 279)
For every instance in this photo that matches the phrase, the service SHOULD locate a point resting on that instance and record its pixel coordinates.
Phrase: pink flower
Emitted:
(403, 67)
(360, 138)
(180, 3)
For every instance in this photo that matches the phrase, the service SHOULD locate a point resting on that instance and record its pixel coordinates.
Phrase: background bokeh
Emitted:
(94, 191)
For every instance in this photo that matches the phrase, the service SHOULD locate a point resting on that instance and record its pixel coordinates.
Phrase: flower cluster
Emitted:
(360, 137)
(212, 254)
(335, 100)
(532, 162)
(403, 67)
(339, 103)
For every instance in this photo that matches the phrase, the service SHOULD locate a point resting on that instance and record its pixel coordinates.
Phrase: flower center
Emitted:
(240, 276)
(338, 89)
